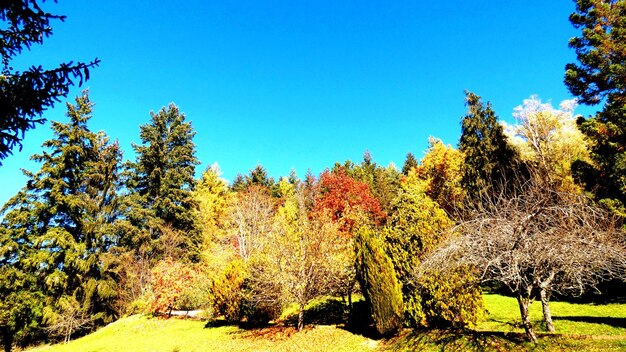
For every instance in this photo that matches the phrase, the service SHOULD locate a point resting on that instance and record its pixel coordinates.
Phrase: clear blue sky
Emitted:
(302, 84)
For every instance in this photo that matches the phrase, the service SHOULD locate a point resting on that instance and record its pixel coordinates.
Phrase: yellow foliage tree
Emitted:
(549, 139)
(440, 168)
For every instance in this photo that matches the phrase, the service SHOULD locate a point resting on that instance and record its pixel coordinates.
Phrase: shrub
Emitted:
(379, 283)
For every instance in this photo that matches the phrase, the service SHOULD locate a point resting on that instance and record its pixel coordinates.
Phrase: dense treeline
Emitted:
(90, 238)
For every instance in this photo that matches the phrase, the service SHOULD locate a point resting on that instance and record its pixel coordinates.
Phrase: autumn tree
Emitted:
(213, 197)
(599, 77)
(440, 168)
(348, 201)
(491, 164)
(61, 231)
(161, 183)
(549, 139)
(537, 240)
(304, 257)
(25, 95)
(171, 280)
(416, 227)
(250, 220)
(227, 290)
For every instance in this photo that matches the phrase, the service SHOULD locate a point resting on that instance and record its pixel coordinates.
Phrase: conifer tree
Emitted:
(258, 176)
(239, 183)
(383, 182)
(213, 197)
(415, 228)
(24, 95)
(599, 77)
(378, 281)
(491, 165)
(409, 163)
(161, 181)
(59, 232)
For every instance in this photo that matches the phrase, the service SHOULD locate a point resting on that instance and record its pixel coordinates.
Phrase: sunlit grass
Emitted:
(140, 333)
(581, 319)
(582, 327)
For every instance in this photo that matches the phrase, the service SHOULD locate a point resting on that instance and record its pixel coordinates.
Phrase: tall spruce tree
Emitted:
(491, 165)
(161, 183)
(600, 76)
(59, 233)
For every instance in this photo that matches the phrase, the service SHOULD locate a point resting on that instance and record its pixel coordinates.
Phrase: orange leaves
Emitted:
(169, 280)
(348, 201)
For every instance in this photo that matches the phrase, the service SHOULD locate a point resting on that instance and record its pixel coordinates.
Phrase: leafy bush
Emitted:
(226, 289)
(171, 281)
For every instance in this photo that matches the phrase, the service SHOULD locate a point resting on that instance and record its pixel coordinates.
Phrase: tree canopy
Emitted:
(25, 95)
(600, 76)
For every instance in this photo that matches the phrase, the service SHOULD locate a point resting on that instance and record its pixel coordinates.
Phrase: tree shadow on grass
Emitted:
(614, 322)
(216, 323)
(329, 312)
(458, 340)
(272, 333)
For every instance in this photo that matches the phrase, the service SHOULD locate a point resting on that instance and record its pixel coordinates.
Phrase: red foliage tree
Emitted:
(348, 201)
(170, 279)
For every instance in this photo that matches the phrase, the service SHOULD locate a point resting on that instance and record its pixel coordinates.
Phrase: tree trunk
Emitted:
(545, 305)
(350, 300)
(524, 303)
(7, 339)
(301, 318)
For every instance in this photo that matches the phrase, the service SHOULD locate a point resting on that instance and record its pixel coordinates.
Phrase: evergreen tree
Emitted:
(600, 76)
(378, 281)
(239, 183)
(415, 228)
(491, 165)
(383, 182)
(59, 233)
(25, 95)
(409, 163)
(161, 183)
(258, 176)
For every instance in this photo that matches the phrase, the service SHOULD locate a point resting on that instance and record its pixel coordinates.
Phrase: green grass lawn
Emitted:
(582, 327)
(142, 334)
(578, 319)
(579, 327)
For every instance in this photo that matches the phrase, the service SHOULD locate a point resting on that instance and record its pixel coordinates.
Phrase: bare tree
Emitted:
(71, 317)
(251, 219)
(536, 241)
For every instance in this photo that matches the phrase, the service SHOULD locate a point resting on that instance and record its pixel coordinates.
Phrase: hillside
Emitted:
(580, 326)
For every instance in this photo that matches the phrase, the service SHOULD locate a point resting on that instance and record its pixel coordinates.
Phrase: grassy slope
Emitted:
(139, 333)
(500, 331)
